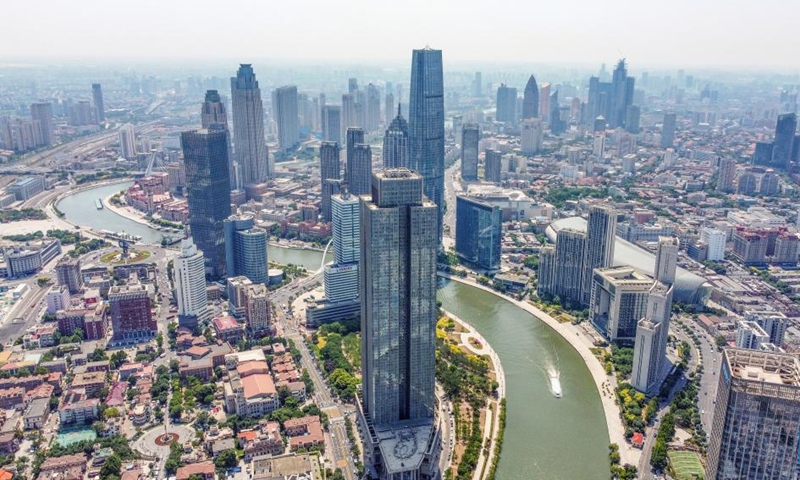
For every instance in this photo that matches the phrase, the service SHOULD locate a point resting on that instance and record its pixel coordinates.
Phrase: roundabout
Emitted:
(165, 439)
(156, 441)
(117, 257)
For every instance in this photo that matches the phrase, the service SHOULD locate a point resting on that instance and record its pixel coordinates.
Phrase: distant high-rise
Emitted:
(284, 106)
(353, 135)
(506, 104)
(544, 102)
(352, 85)
(668, 130)
(531, 136)
(97, 99)
(205, 156)
(622, 87)
(666, 260)
(249, 144)
(398, 324)
(190, 285)
(359, 169)
(329, 161)
(349, 116)
(478, 232)
(600, 231)
(726, 174)
(470, 138)
(756, 417)
(784, 140)
(42, 112)
(213, 116)
(245, 248)
(530, 100)
(426, 125)
(493, 166)
(395, 143)
(127, 142)
(477, 85)
(332, 123)
(388, 109)
(373, 108)
(633, 118)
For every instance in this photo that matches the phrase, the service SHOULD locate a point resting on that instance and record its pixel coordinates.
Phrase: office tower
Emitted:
(506, 104)
(470, 137)
(557, 124)
(763, 153)
(530, 100)
(388, 108)
(256, 308)
(352, 85)
(245, 248)
(284, 106)
(531, 136)
(478, 232)
(756, 417)
(190, 285)
(97, 99)
(127, 142)
(79, 114)
(349, 117)
(341, 277)
(332, 123)
(329, 161)
(330, 188)
(353, 135)
(770, 183)
(398, 323)
(726, 174)
(68, 273)
(373, 108)
(668, 130)
(632, 119)
(493, 166)
(750, 335)
(42, 112)
(544, 102)
(784, 140)
(205, 157)
(131, 317)
(359, 169)
(666, 260)
(395, 143)
(426, 125)
(715, 239)
(600, 230)
(618, 300)
(213, 116)
(250, 148)
(650, 347)
(477, 85)
(622, 95)
(599, 101)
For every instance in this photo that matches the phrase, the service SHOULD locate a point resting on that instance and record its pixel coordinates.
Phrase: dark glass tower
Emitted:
(395, 143)
(359, 169)
(213, 116)
(478, 232)
(506, 104)
(426, 125)
(205, 157)
(97, 99)
(784, 140)
(470, 139)
(530, 99)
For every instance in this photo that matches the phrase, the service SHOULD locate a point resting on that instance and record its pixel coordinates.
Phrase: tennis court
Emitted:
(686, 465)
(67, 438)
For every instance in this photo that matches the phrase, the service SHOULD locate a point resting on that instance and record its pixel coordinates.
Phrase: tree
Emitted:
(111, 467)
(160, 340)
(226, 459)
(721, 341)
(118, 359)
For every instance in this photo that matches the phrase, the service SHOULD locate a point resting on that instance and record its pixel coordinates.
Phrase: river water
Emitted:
(546, 438)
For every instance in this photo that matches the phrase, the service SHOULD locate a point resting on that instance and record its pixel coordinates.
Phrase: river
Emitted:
(546, 438)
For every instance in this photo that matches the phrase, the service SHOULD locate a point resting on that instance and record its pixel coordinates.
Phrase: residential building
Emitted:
(531, 135)
(131, 315)
(245, 248)
(493, 166)
(127, 142)
(715, 239)
(190, 285)
(42, 113)
(600, 232)
(256, 311)
(68, 274)
(506, 104)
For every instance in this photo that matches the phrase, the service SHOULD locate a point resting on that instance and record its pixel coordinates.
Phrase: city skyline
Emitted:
(169, 34)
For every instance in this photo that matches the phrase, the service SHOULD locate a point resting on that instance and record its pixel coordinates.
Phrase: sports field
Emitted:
(685, 465)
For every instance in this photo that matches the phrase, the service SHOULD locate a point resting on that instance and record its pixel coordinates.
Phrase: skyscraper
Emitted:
(531, 136)
(359, 169)
(470, 138)
(530, 100)
(97, 99)
(544, 102)
(373, 108)
(131, 315)
(477, 85)
(190, 285)
(784, 139)
(506, 104)
(341, 277)
(213, 116)
(245, 248)
(600, 231)
(666, 260)
(284, 106)
(248, 127)
(726, 174)
(493, 166)
(668, 130)
(329, 162)
(205, 156)
(353, 135)
(332, 123)
(632, 119)
(256, 308)
(754, 433)
(478, 232)
(399, 244)
(621, 95)
(127, 142)
(388, 108)
(395, 143)
(349, 117)
(42, 112)
(426, 125)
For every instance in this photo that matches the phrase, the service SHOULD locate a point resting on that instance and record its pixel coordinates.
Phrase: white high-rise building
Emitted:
(127, 142)
(341, 277)
(667, 259)
(750, 335)
(190, 283)
(531, 136)
(715, 239)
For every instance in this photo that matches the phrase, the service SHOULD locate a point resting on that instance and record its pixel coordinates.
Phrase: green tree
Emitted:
(111, 467)
(226, 459)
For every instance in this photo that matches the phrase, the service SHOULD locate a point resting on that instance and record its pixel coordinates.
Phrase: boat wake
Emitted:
(551, 368)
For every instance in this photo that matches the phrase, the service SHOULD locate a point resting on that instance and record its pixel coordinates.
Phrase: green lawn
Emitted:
(686, 465)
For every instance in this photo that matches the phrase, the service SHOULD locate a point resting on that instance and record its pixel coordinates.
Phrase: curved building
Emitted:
(689, 287)
(530, 99)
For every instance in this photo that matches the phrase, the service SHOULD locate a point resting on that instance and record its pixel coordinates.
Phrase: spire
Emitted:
(398, 109)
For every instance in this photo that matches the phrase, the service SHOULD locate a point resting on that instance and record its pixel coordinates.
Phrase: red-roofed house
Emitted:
(304, 432)
(637, 440)
(204, 469)
(228, 329)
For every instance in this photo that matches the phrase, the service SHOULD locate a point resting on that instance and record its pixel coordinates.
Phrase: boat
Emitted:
(555, 385)
(99, 203)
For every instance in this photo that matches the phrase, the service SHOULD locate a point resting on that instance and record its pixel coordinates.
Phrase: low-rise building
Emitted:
(292, 466)
(201, 469)
(83, 411)
(228, 329)
(36, 414)
(304, 432)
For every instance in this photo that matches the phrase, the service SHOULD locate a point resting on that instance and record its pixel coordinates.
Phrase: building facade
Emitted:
(248, 127)
(478, 232)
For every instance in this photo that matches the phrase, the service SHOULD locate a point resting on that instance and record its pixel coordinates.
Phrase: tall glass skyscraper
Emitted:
(530, 100)
(426, 125)
(600, 231)
(784, 139)
(97, 99)
(359, 169)
(205, 157)
(248, 127)
(470, 139)
(284, 108)
(213, 116)
(395, 143)
(478, 232)
(245, 248)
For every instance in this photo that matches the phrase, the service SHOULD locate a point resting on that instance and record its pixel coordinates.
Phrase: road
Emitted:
(451, 175)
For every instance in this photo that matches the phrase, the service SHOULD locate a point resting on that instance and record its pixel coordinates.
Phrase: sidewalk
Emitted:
(581, 343)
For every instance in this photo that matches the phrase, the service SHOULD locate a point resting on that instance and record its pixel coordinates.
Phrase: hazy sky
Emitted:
(664, 32)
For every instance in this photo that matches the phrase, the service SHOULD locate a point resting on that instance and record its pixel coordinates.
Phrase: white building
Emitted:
(531, 136)
(715, 239)
(57, 298)
(127, 142)
(190, 282)
(750, 335)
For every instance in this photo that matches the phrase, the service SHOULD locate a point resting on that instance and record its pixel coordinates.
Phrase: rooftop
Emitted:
(762, 367)
(258, 385)
(403, 448)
